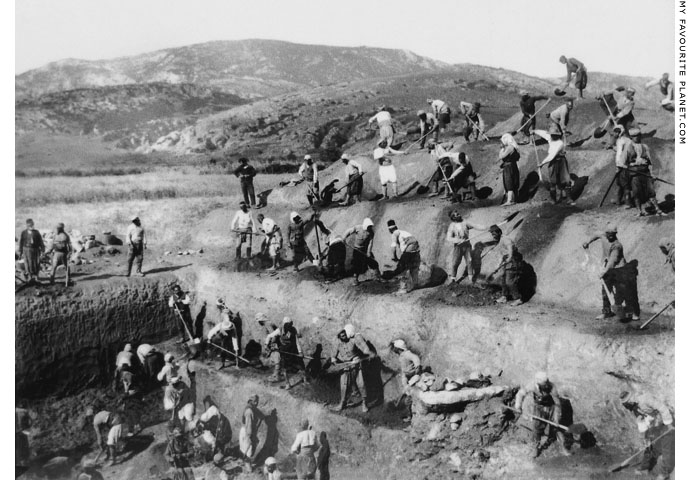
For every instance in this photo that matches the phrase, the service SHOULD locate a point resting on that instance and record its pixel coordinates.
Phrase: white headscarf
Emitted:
(508, 141)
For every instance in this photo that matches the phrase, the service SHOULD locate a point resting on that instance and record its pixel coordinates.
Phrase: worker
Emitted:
(509, 155)
(474, 123)
(617, 279)
(286, 340)
(354, 182)
(668, 248)
(441, 111)
(559, 173)
(271, 471)
(249, 439)
(409, 259)
(246, 174)
(31, 248)
(180, 303)
(458, 236)
(624, 153)
(463, 176)
(444, 169)
(178, 453)
(137, 243)
(151, 361)
(528, 109)
(547, 405)
(352, 350)
(245, 228)
(560, 117)
(215, 425)
(309, 172)
(362, 247)
(224, 335)
(170, 374)
(428, 124)
(273, 241)
(384, 121)
(111, 423)
(511, 266)
(304, 446)
(654, 419)
(410, 364)
(641, 176)
(666, 89)
(61, 250)
(623, 114)
(124, 358)
(335, 258)
(386, 168)
(184, 406)
(323, 457)
(297, 241)
(215, 470)
(574, 66)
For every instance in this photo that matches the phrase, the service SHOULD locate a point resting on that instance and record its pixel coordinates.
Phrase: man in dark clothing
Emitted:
(617, 276)
(528, 108)
(180, 302)
(178, 454)
(31, 247)
(428, 124)
(335, 258)
(511, 265)
(362, 252)
(61, 249)
(352, 349)
(246, 174)
(297, 238)
(641, 181)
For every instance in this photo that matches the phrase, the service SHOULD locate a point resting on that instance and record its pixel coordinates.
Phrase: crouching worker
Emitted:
(109, 432)
(335, 257)
(547, 405)
(216, 427)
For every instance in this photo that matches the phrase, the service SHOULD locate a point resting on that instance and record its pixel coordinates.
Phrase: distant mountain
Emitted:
(248, 68)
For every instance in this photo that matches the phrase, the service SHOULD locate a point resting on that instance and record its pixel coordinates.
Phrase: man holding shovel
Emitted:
(528, 108)
(559, 173)
(180, 302)
(547, 405)
(458, 235)
(355, 184)
(574, 66)
(362, 247)
(474, 123)
(655, 422)
(428, 124)
(384, 121)
(511, 264)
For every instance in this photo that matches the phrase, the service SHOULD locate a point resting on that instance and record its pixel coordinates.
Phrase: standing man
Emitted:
(304, 446)
(62, 249)
(297, 241)
(178, 453)
(353, 176)
(273, 240)
(180, 302)
(528, 108)
(136, 240)
(614, 276)
(559, 173)
(409, 259)
(428, 124)
(362, 248)
(624, 153)
(151, 361)
(574, 66)
(352, 349)
(441, 111)
(286, 339)
(243, 225)
(641, 181)
(561, 116)
(246, 174)
(31, 247)
(547, 405)
(458, 235)
(509, 155)
(666, 89)
(249, 439)
(386, 168)
(474, 123)
(217, 424)
(654, 419)
(511, 264)
(310, 173)
(224, 334)
(668, 248)
(386, 132)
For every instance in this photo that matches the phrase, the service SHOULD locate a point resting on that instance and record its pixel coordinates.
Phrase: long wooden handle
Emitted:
(655, 315)
(627, 461)
(557, 425)
(533, 115)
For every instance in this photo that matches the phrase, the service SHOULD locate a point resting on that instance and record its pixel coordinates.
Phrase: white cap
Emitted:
(367, 223)
(400, 343)
(541, 377)
(349, 330)
(293, 215)
(227, 325)
(135, 217)
(378, 153)
(287, 320)
(344, 156)
(270, 461)
(307, 157)
(128, 347)
(168, 357)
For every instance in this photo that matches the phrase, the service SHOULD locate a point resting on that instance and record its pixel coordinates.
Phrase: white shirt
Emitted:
(268, 225)
(381, 118)
(555, 146)
(135, 234)
(352, 168)
(209, 414)
(169, 371)
(405, 240)
(439, 106)
(305, 438)
(173, 299)
(303, 169)
(242, 221)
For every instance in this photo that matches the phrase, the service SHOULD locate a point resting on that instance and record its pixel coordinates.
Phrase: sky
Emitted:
(619, 36)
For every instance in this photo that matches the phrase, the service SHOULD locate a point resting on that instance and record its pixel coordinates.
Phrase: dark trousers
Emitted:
(428, 131)
(136, 251)
(248, 192)
(511, 276)
(350, 380)
(622, 283)
(528, 125)
(623, 186)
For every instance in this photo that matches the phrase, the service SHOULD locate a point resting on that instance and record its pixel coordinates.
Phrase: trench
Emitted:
(80, 332)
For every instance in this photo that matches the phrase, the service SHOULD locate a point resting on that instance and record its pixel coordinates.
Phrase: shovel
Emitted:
(422, 189)
(189, 334)
(231, 353)
(609, 295)
(627, 461)
(477, 127)
(447, 182)
(417, 141)
(350, 182)
(609, 188)
(531, 117)
(534, 417)
(644, 325)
